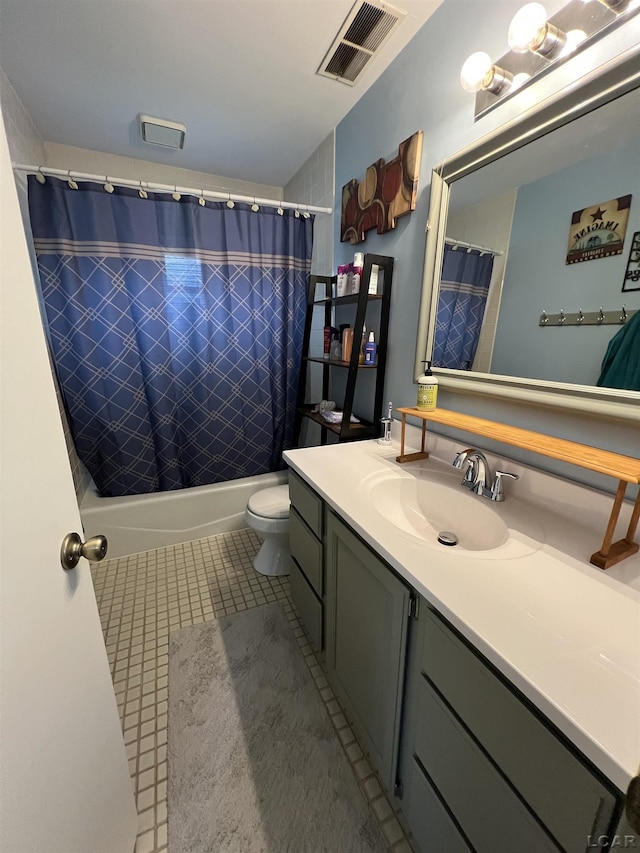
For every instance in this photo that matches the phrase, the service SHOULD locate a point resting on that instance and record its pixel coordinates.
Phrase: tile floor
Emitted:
(141, 599)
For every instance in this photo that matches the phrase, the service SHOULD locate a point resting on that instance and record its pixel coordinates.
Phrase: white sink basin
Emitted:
(424, 504)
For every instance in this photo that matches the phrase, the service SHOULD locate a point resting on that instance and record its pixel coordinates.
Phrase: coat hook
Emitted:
(544, 319)
(580, 318)
(623, 316)
(600, 317)
(561, 318)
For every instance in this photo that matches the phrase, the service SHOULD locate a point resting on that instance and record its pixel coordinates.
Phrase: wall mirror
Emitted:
(506, 203)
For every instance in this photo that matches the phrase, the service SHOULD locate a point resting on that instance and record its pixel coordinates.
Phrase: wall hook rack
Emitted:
(613, 317)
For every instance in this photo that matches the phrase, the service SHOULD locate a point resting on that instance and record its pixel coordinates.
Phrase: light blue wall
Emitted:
(421, 91)
(537, 276)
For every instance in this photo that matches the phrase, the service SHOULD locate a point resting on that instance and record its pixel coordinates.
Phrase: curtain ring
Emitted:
(296, 213)
(175, 195)
(201, 200)
(107, 184)
(40, 178)
(255, 206)
(280, 211)
(230, 202)
(72, 184)
(142, 192)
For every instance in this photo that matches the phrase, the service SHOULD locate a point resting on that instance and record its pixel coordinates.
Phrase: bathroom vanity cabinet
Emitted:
(481, 769)
(306, 543)
(468, 762)
(366, 639)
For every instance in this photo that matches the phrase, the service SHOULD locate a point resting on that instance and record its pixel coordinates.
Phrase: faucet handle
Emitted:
(497, 491)
(462, 457)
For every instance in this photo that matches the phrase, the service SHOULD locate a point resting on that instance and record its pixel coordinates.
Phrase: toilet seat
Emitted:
(270, 503)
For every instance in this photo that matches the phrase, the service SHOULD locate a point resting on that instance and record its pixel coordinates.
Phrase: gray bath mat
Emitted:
(254, 761)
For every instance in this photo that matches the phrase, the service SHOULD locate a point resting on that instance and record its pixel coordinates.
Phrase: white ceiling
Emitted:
(240, 74)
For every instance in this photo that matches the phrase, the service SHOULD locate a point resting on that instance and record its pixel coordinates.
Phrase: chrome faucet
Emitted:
(386, 439)
(478, 474)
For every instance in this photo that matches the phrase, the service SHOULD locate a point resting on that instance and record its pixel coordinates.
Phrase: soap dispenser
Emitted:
(427, 390)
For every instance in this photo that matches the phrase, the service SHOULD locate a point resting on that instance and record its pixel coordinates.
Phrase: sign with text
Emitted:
(598, 231)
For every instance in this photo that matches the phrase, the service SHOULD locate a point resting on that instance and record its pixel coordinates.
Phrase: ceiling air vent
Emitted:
(366, 29)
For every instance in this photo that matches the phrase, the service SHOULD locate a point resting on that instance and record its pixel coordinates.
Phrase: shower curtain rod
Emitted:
(466, 245)
(169, 188)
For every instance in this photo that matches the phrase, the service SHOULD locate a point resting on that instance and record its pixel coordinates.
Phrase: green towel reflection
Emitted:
(621, 363)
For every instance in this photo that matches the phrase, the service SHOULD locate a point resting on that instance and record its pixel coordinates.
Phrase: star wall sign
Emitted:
(598, 231)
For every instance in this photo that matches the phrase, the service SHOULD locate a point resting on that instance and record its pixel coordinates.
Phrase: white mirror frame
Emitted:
(604, 84)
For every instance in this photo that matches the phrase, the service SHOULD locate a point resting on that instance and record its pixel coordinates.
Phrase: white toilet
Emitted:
(267, 513)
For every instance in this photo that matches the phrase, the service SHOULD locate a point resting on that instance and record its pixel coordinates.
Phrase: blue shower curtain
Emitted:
(176, 331)
(464, 286)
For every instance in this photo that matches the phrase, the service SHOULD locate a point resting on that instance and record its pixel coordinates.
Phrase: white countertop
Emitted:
(565, 633)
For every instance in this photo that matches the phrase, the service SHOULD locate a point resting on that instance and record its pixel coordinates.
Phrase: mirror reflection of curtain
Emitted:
(464, 286)
(176, 331)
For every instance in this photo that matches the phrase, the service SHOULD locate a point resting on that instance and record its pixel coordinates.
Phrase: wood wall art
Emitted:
(389, 190)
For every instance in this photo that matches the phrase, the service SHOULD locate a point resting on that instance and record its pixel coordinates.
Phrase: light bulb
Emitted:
(574, 38)
(530, 30)
(527, 27)
(519, 79)
(475, 70)
(479, 72)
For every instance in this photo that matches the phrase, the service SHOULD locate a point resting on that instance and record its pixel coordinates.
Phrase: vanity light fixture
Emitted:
(537, 43)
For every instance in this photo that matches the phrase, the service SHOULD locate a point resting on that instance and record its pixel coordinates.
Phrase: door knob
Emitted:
(73, 548)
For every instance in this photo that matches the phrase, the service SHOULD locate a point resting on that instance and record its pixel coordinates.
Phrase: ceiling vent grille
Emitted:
(365, 31)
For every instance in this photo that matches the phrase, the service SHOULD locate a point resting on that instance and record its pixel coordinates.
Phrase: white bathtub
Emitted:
(142, 522)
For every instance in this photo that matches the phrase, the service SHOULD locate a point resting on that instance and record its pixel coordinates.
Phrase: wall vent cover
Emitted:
(368, 26)
(159, 131)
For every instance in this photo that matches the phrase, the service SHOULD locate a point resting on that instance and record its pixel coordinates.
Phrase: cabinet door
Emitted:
(367, 609)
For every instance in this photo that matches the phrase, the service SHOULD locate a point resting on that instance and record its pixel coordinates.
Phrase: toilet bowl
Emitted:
(267, 513)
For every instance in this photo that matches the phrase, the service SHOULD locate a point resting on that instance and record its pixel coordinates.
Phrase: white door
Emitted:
(64, 780)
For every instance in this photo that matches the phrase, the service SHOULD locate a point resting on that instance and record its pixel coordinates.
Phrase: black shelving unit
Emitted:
(361, 301)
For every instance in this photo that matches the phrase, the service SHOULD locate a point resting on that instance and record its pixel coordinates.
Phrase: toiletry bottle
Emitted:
(347, 344)
(427, 390)
(356, 277)
(342, 281)
(370, 350)
(363, 341)
(335, 351)
(373, 280)
(326, 342)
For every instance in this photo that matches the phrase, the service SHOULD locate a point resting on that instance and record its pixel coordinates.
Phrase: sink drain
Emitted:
(445, 537)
